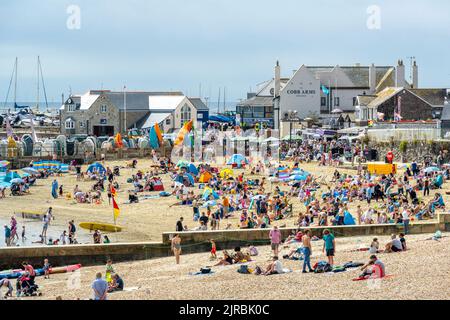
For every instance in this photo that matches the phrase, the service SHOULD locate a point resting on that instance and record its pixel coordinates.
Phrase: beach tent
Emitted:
(185, 178)
(225, 173)
(208, 192)
(348, 219)
(205, 177)
(193, 169)
(11, 176)
(157, 184)
(237, 159)
(298, 177)
(439, 181)
(183, 163)
(98, 167)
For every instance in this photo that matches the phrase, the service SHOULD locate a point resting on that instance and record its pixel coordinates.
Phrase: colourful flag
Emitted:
(185, 130)
(154, 142)
(158, 133)
(325, 90)
(116, 210)
(113, 191)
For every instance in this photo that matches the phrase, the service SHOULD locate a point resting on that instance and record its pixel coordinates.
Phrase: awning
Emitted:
(155, 118)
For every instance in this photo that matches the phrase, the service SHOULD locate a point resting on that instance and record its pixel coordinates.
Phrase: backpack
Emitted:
(243, 269)
(322, 267)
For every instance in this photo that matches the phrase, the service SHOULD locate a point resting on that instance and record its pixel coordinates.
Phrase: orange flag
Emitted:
(185, 130)
(159, 134)
(116, 210)
(113, 191)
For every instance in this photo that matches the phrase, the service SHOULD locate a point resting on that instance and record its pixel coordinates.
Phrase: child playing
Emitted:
(109, 271)
(402, 240)
(374, 246)
(213, 249)
(46, 269)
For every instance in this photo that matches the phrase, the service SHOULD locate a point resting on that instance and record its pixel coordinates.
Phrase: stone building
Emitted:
(106, 113)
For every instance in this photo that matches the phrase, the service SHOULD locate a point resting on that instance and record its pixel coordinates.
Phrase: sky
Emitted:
(199, 46)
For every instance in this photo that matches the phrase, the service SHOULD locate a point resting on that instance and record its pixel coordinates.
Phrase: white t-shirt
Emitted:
(405, 215)
(278, 266)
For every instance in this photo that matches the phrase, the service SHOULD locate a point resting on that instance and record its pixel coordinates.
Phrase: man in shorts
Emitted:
(329, 245)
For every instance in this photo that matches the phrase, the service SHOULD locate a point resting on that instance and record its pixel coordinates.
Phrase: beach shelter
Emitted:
(237, 160)
(205, 177)
(157, 184)
(183, 163)
(208, 192)
(348, 219)
(11, 175)
(225, 173)
(98, 167)
(439, 181)
(193, 169)
(185, 178)
(298, 177)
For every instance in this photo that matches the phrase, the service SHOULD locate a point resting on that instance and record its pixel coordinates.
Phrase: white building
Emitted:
(315, 91)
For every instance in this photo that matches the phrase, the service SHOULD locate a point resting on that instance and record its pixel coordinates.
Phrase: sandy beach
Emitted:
(419, 273)
(144, 221)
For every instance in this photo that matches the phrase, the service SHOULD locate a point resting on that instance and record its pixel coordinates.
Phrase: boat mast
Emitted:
(15, 82)
(43, 84)
(37, 103)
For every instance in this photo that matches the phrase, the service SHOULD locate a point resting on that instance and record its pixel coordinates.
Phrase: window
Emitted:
(323, 101)
(355, 101)
(103, 109)
(168, 121)
(71, 108)
(81, 124)
(185, 114)
(200, 116)
(70, 124)
(337, 102)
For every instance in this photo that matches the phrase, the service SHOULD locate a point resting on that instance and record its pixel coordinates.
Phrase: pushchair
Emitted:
(27, 288)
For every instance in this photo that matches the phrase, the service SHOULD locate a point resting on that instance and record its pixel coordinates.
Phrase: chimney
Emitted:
(277, 80)
(415, 75)
(400, 81)
(372, 78)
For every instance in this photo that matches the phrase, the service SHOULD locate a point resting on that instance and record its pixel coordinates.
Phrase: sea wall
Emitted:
(192, 242)
(415, 150)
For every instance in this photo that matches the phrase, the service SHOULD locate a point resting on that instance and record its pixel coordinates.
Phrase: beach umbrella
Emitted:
(30, 170)
(298, 177)
(337, 111)
(4, 163)
(431, 169)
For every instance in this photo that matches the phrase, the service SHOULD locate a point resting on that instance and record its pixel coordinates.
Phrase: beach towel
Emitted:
(368, 277)
(199, 273)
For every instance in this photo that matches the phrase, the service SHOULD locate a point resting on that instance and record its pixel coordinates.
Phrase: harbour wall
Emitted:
(192, 242)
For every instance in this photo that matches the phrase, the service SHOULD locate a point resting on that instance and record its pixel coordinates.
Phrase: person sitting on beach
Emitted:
(226, 260)
(276, 267)
(117, 284)
(374, 268)
(240, 257)
(374, 246)
(5, 283)
(394, 245)
(402, 240)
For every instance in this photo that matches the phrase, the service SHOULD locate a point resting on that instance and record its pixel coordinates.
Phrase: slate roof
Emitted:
(198, 104)
(435, 97)
(257, 102)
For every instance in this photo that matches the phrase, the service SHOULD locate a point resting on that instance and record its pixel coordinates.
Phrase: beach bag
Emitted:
(322, 267)
(243, 269)
(253, 251)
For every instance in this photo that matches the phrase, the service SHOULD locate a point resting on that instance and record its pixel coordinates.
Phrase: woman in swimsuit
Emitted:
(176, 247)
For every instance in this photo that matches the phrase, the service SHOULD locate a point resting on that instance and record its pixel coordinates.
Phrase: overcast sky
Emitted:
(180, 44)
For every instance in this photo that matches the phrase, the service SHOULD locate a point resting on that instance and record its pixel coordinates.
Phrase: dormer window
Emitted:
(71, 108)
